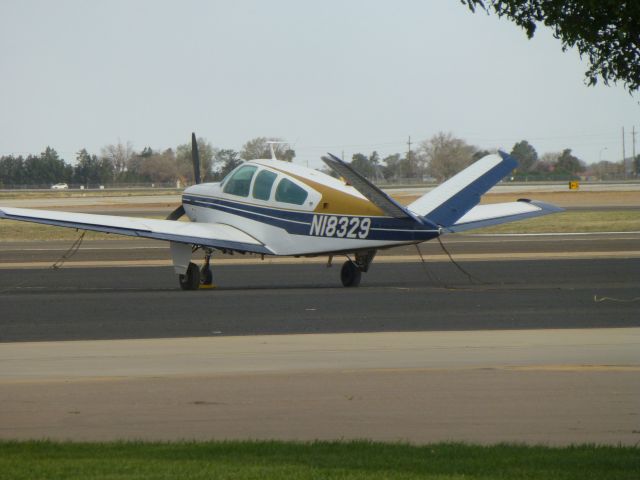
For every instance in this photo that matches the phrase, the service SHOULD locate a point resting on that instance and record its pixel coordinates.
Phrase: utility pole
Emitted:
(412, 169)
(633, 150)
(624, 155)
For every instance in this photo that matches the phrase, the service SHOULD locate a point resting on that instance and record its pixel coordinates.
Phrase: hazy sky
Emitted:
(339, 76)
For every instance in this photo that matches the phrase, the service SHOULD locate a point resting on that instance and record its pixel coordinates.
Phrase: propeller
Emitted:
(195, 157)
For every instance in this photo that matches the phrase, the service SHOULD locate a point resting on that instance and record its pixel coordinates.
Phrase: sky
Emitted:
(327, 76)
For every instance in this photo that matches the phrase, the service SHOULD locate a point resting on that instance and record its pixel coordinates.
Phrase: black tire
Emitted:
(350, 274)
(206, 276)
(191, 279)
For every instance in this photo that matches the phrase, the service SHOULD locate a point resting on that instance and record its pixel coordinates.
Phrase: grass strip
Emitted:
(314, 460)
(48, 194)
(573, 221)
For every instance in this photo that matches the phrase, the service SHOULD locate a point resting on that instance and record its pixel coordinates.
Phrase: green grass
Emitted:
(317, 460)
(573, 221)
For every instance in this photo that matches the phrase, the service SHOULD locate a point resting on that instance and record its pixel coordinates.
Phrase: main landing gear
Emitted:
(194, 278)
(190, 280)
(351, 271)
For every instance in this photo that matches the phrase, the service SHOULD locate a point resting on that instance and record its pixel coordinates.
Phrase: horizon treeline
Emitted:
(435, 159)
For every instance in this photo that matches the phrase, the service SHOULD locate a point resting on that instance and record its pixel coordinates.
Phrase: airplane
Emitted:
(275, 208)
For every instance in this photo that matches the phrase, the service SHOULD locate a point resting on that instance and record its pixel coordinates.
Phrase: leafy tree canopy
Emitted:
(367, 166)
(607, 32)
(91, 170)
(446, 155)
(228, 160)
(525, 154)
(569, 163)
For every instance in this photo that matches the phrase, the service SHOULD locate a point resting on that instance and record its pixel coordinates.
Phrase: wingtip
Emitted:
(548, 207)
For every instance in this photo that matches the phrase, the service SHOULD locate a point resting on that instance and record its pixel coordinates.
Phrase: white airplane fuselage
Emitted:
(332, 217)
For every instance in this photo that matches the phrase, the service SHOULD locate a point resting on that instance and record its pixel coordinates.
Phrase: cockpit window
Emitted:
(240, 182)
(262, 185)
(289, 192)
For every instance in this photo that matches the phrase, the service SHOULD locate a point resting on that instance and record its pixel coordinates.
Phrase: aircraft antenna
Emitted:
(271, 144)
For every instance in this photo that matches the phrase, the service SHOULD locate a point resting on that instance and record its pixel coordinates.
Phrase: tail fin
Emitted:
(450, 201)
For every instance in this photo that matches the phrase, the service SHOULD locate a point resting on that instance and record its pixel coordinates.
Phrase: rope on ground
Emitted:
(73, 249)
(597, 299)
(472, 278)
(431, 276)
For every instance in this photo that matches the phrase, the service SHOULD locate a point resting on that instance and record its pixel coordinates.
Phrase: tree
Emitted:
(547, 162)
(119, 154)
(367, 166)
(391, 170)
(11, 170)
(568, 163)
(46, 169)
(259, 148)
(91, 170)
(446, 155)
(525, 154)
(160, 167)
(228, 160)
(605, 168)
(185, 160)
(411, 166)
(605, 32)
(134, 171)
(480, 154)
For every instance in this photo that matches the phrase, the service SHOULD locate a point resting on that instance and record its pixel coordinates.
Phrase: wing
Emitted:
(215, 235)
(497, 213)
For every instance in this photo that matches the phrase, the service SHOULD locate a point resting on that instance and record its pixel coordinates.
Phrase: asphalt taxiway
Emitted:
(146, 302)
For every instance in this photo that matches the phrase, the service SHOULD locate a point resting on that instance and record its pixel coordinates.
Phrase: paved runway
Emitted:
(145, 302)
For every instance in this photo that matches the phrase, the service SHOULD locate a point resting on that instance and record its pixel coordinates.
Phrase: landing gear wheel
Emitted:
(190, 280)
(206, 275)
(350, 274)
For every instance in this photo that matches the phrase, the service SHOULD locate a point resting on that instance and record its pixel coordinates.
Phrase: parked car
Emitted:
(60, 186)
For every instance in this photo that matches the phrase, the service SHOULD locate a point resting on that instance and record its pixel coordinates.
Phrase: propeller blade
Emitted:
(176, 214)
(195, 156)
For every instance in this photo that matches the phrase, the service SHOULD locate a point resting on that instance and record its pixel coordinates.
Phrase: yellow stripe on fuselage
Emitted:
(337, 202)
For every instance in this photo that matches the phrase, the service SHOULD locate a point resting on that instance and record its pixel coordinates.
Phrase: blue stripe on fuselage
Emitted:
(300, 223)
